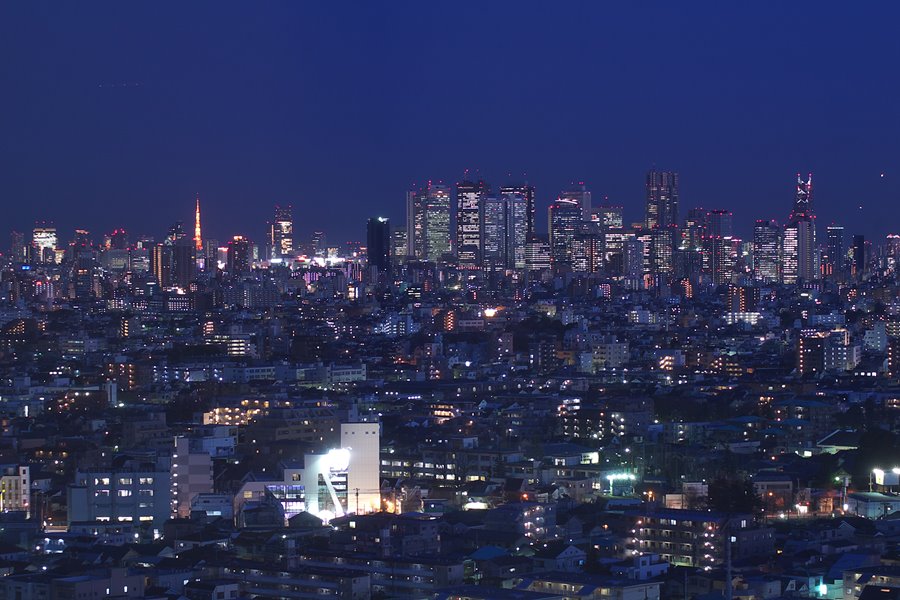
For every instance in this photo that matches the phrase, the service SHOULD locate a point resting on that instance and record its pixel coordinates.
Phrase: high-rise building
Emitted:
(661, 245)
(239, 256)
(281, 232)
(799, 242)
(608, 217)
(565, 218)
(161, 264)
(378, 243)
(505, 223)
(538, 255)
(527, 192)
(662, 199)
(588, 251)
(694, 230)
(415, 224)
(437, 222)
(44, 241)
(720, 223)
(580, 194)
(633, 263)
(18, 251)
(470, 197)
(834, 265)
(766, 251)
(318, 243)
(84, 274)
(860, 260)
(399, 245)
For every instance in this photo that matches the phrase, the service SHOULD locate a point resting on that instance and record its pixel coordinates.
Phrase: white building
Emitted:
(363, 476)
(137, 493)
(15, 489)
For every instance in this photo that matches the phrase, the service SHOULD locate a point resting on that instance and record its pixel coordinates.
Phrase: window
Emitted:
(124, 493)
(125, 481)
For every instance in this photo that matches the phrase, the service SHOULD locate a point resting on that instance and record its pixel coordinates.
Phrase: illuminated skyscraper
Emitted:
(565, 217)
(281, 232)
(415, 224)
(505, 225)
(766, 251)
(437, 221)
(835, 261)
(18, 250)
(45, 241)
(608, 216)
(860, 258)
(239, 258)
(319, 243)
(527, 192)
(378, 243)
(582, 196)
(662, 199)
(470, 197)
(720, 223)
(799, 242)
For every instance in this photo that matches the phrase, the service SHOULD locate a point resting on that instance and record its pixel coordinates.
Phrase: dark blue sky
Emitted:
(117, 113)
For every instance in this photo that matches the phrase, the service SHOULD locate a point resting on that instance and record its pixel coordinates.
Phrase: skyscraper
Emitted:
(238, 259)
(720, 223)
(582, 196)
(415, 223)
(505, 225)
(527, 192)
(799, 242)
(565, 217)
(860, 261)
(766, 251)
(378, 243)
(437, 221)
(281, 232)
(45, 241)
(470, 198)
(835, 253)
(662, 199)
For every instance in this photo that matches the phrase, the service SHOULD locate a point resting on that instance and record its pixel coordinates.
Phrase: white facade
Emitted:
(364, 475)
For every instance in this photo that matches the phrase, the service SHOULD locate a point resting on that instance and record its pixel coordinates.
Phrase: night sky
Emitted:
(118, 113)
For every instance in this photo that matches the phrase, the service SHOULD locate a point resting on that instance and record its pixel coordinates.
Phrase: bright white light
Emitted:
(339, 459)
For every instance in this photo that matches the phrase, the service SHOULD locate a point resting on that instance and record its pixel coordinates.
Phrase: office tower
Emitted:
(859, 257)
(437, 222)
(835, 253)
(281, 232)
(720, 223)
(238, 257)
(579, 193)
(44, 241)
(176, 232)
(766, 251)
(318, 243)
(505, 223)
(662, 199)
(661, 244)
(527, 192)
(694, 229)
(184, 263)
(198, 237)
(565, 218)
(633, 263)
(18, 251)
(588, 251)
(84, 266)
(470, 198)
(378, 243)
(799, 242)
(538, 254)
(118, 240)
(609, 217)
(399, 245)
(415, 224)
(161, 264)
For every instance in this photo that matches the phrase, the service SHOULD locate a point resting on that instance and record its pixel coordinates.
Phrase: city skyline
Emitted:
(97, 129)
